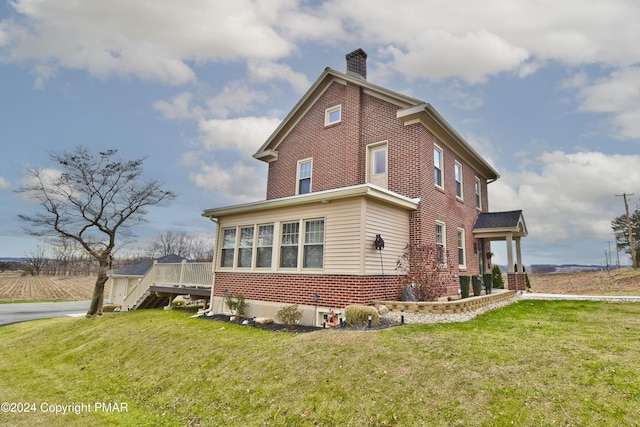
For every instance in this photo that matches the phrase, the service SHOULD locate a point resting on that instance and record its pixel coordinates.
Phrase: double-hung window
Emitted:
(462, 259)
(437, 167)
(440, 241)
(245, 250)
(313, 244)
(304, 176)
(458, 176)
(265, 246)
(228, 247)
(478, 194)
(289, 245)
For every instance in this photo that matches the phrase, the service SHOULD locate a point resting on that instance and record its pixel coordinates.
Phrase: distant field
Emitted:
(14, 287)
(625, 281)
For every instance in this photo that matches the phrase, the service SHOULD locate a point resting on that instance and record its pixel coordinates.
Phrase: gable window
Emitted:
(228, 247)
(440, 241)
(265, 246)
(333, 115)
(313, 244)
(245, 250)
(462, 256)
(437, 166)
(458, 176)
(304, 176)
(478, 194)
(289, 245)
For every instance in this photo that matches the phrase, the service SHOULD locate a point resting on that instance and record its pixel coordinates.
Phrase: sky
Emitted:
(548, 92)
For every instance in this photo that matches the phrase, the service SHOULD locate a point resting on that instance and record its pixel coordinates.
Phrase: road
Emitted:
(14, 313)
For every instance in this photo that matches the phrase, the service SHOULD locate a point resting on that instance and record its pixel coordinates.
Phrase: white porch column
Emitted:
(509, 254)
(519, 256)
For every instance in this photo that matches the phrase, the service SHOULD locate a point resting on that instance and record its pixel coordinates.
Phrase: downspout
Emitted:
(213, 264)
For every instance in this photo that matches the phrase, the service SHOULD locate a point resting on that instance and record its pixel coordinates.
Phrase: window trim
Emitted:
(327, 115)
(281, 245)
(259, 246)
(249, 248)
(462, 245)
(457, 168)
(439, 167)
(478, 189)
(306, 244)
(298, 177)
(444, 239)
(233, 248)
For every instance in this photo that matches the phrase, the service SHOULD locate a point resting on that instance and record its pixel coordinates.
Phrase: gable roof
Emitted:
(411, 110)
(141, 268)
(491, 224)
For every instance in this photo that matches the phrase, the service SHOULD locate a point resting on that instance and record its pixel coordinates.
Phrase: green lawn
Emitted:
(530, 363)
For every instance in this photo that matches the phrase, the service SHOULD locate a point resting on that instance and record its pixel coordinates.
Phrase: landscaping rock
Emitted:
(263, 320)
(382, 310)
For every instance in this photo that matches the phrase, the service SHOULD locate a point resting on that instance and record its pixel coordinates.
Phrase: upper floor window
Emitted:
(304, 176)
(333, 115)
(458, 175)
(478, 194)
(437, 166)
(377, 164)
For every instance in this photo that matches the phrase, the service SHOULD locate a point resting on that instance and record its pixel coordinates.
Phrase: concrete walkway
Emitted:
(608, 298)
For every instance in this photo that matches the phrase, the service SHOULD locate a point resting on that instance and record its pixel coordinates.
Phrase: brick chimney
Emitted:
(357, 63)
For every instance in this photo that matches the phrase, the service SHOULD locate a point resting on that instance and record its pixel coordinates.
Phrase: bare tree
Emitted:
(94, 200)
(190, 246)
(36, 259)
(428, 268)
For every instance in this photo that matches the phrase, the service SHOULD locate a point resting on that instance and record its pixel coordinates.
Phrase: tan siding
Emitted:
(393, 225)
(342, 252)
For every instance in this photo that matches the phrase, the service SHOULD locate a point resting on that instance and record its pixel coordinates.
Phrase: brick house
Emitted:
(351, 161)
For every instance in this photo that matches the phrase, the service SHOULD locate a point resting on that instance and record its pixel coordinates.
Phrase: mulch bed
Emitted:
(277, 327)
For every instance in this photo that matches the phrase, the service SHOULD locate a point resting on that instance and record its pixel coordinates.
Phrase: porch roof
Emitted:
(499, 225)
(362, 190)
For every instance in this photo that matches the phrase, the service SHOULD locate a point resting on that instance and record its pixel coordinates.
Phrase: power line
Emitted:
(634, 262)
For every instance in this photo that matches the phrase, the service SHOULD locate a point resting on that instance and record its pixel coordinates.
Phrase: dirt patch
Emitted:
(15, 287)
(617, 282)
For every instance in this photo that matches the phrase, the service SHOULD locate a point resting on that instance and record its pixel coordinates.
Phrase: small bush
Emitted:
(108, 308)
(289, 315)
(498, 281)
(476, 283)
(464, 286)
(487, 279)
(237, 304)
(358, 315)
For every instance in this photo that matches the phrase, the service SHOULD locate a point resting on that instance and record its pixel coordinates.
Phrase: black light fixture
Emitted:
(379, 243)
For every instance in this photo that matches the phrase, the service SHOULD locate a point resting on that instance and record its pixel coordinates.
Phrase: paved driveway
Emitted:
(14, 313)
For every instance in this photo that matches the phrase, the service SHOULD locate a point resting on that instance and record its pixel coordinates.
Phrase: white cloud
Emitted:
(155, 41)
(236, 97)
(571, 197)
(179, 108)
(618, 96)
(4, 184)
(263, 71)
(238, 181)
(244, 135)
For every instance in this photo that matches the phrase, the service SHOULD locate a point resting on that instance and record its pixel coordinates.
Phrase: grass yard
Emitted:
(531, 363)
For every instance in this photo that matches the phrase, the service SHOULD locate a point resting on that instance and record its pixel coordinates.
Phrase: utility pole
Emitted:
(631, 242)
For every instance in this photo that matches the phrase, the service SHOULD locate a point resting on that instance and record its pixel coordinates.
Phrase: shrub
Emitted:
(358, 315)
(289, 315)
(236, 303)
(464, 286)
(428, 268)
(498, 281)
(487, 279)
(477, 285)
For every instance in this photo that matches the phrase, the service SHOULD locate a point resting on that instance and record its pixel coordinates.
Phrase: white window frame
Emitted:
(444, 239)
(329, 111)
(299, 177)
(244, 247)
(462, 246)
(439, 167)
(283, 245)
(478, 189)
(457, 167)
(306, 244)
(226, 247)
(260, 245)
